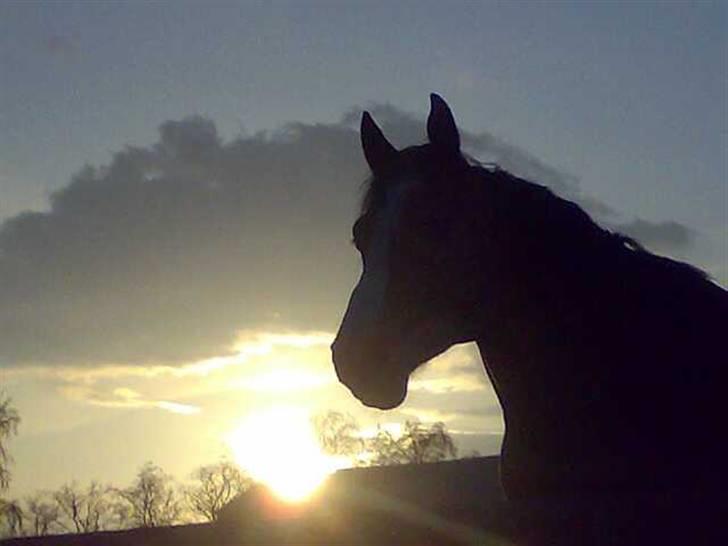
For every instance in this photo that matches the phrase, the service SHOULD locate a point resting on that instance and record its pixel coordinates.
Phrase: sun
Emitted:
(278, 447)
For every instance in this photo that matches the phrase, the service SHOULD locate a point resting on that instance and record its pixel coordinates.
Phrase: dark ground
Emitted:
(453, 502)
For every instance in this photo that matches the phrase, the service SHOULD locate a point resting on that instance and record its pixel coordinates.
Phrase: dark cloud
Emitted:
(165, 253)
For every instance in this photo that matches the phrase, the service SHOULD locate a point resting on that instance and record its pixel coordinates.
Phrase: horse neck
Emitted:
(530, 301)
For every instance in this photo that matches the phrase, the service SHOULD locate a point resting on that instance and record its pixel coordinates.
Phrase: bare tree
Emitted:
(417, 444)
(12, 517)
(84, 510)
(217, 484)
(151, 500)
(42, 513)
(121, 512)
(338, 434)
(9, 421)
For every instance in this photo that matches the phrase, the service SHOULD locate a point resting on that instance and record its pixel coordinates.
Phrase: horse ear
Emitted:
(379, 153)
(441, 128)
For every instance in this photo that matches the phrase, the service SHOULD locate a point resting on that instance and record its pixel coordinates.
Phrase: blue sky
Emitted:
(623, 96)
(628, 99)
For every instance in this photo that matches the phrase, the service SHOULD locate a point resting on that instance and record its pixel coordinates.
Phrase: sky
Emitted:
(178, 180)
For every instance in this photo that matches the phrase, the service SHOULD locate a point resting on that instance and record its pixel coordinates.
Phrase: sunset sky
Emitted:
(178, 180)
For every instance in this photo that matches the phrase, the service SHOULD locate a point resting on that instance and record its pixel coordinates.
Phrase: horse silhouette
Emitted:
(608, 360)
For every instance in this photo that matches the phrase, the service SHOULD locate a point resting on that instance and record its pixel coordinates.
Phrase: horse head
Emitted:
(415, 293)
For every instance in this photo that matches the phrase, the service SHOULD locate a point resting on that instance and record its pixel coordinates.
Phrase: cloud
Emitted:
(449, 384)
(458, 370)
(122, 397)
(467, 409)
(161, 257)
(663, 236)
(176, 407)
(248, 349)
(268, 366)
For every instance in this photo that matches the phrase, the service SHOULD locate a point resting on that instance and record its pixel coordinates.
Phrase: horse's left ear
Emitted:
(441, 128)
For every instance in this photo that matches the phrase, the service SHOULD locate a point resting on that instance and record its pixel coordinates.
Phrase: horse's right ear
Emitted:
(379, 153)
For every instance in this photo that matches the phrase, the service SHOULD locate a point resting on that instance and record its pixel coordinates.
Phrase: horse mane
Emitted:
(571, 229)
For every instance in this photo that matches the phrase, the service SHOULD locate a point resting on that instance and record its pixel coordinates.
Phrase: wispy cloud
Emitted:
(265, 364)
(176, 407)
(123, 397)
(249, 344)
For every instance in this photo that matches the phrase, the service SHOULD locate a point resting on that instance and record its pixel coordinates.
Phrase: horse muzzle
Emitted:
(370, 377)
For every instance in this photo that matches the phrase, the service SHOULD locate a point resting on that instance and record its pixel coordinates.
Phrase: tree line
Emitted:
(155, 498)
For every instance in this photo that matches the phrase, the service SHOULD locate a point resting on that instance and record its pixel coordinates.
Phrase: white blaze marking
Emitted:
(367, 298)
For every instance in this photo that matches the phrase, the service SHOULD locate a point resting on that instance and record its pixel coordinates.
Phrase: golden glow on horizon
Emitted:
(278, 447)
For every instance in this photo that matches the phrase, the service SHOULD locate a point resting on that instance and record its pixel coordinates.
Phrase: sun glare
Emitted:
(278, 447)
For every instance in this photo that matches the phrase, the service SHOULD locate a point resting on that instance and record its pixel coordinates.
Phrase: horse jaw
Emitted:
(386, 384)
(376, 367)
